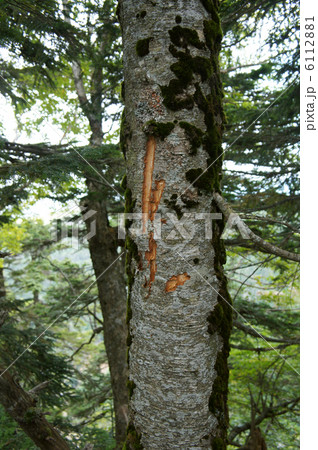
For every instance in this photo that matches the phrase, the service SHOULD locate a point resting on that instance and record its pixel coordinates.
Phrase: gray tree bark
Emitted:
(178, 308)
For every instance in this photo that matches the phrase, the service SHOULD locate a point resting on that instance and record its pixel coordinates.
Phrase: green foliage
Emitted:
(54, 172)
(262, 129)
(11, 237)
(261, 181)
(32, 37)
(11, 435)
(264, 374)
(42, 281)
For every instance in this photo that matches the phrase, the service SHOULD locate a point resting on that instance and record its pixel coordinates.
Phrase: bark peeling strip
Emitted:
(150, 256)
(147, 183)
(150, 204)
(176, 280)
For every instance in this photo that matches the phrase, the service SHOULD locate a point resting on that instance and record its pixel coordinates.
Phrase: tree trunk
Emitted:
(256, 440)
(103, 248)
(21, 406)
(179, 310)
(109, 272)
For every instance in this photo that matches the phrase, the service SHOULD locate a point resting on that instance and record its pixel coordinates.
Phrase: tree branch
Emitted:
(252, 332)
(39, 387)
(268, 412)
(269, 220)
(95, 331)
(21, 406)
(261, 349)
(247, 232)
(41, 149)
(94, 315)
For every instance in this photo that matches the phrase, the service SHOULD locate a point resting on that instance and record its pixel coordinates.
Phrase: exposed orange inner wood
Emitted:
(150, 256)
(176, 280)
(156, 197)
(150, 204)
(147, 183)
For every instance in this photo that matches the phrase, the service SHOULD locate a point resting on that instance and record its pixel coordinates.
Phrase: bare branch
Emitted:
(261, 349)
(246, 231)
(268, 412)
(94, 315)
(39, 387)
(269, 220)
(254, 333)
(269, 258)
(95, 331)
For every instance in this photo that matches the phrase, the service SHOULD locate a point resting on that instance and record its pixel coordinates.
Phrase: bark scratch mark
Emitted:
(147, 183)
(156, 197)
(150, 204)
(150, 256)
(176, 280)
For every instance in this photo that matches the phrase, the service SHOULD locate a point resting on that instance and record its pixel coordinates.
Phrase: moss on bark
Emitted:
(212, 7)
(172, 203)
(133, 439)
(131, 253)
(131, 386)
(158, 129)
(142, 47)
(194, 135)
(174, 95)
(213, 34)
(178, 19)
(182, 37)
(125, 134)
(220, 321)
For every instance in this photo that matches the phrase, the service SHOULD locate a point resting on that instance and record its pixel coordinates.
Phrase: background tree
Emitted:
(43, 278)
(96, 72)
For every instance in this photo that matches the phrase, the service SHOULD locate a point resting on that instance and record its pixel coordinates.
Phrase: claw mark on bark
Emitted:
(156, 197)
(147, 184)
(150, 256)
(150, 204)
(176, 280)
